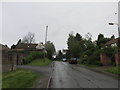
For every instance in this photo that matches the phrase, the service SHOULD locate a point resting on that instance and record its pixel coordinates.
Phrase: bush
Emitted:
(91, 56)
(32, 56)
(110, 52)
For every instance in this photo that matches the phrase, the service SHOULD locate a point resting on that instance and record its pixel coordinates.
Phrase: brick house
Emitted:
(64, 51)
(104, 59)
(20, 50)
(14, 56)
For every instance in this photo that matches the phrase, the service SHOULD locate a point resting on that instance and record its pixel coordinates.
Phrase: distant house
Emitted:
(64, 51)
(112, 42)
(25, 46)
(54, 56)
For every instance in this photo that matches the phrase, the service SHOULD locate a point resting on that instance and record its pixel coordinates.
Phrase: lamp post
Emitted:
(117, 55)
(118, 27)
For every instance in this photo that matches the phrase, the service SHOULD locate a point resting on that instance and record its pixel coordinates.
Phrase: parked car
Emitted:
(73, 61)
(64, 60)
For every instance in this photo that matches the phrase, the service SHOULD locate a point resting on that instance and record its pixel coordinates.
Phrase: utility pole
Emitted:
(118, 31)
(46, 34)
(45, 41)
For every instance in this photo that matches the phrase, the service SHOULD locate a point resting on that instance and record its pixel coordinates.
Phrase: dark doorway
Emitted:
(17, 60)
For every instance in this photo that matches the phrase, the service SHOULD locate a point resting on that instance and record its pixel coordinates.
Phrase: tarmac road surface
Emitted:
(67, 75)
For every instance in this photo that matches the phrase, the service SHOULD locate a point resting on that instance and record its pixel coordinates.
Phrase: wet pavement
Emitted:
(67, 75)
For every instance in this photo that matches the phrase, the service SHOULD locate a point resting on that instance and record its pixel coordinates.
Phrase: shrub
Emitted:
(91, 56)
(110, 52)
(32, 56)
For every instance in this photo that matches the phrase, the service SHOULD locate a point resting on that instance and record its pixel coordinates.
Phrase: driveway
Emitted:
(45, 71)
(67, 75)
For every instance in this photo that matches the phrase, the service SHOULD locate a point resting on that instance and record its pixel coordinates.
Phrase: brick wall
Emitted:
(105, 60)
(6, 63)
(11, 58)
(117, 58)
(0, 61)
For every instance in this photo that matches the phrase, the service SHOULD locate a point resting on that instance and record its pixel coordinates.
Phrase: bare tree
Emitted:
(88, 36)
(29, 38)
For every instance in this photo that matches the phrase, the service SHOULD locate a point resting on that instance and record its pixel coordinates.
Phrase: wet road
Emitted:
(67, 75)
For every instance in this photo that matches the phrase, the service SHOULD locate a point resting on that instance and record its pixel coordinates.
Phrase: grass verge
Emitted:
(40, 62)
(19, 78)
(111, 69)
(114, 70)
(88, 65)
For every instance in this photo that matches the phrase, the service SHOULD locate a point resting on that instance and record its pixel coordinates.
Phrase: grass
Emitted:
(114, 70)
(88, 65)
(40, 62)
(19, 78)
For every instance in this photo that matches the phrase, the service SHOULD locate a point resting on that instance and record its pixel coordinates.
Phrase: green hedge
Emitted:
(32, 56)
(90, 56)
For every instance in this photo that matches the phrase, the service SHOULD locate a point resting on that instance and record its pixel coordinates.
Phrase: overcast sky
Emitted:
(62, 18)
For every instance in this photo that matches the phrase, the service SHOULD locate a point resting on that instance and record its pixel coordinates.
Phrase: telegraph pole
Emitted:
(45, 40)
(46, 34)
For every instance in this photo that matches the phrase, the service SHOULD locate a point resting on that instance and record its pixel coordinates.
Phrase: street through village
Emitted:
(60, 45)
(67, 75)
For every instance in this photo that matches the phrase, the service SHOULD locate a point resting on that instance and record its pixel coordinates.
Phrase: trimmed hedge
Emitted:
(32, 56)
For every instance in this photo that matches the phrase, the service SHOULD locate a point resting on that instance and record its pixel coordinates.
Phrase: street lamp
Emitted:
(118, 27)
(113, 23)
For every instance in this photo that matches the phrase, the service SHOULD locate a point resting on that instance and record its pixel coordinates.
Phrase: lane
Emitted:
(67, 75)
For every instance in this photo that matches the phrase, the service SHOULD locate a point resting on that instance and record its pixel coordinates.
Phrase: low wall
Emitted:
(6, 63)
(105, 60)
(117, 58)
